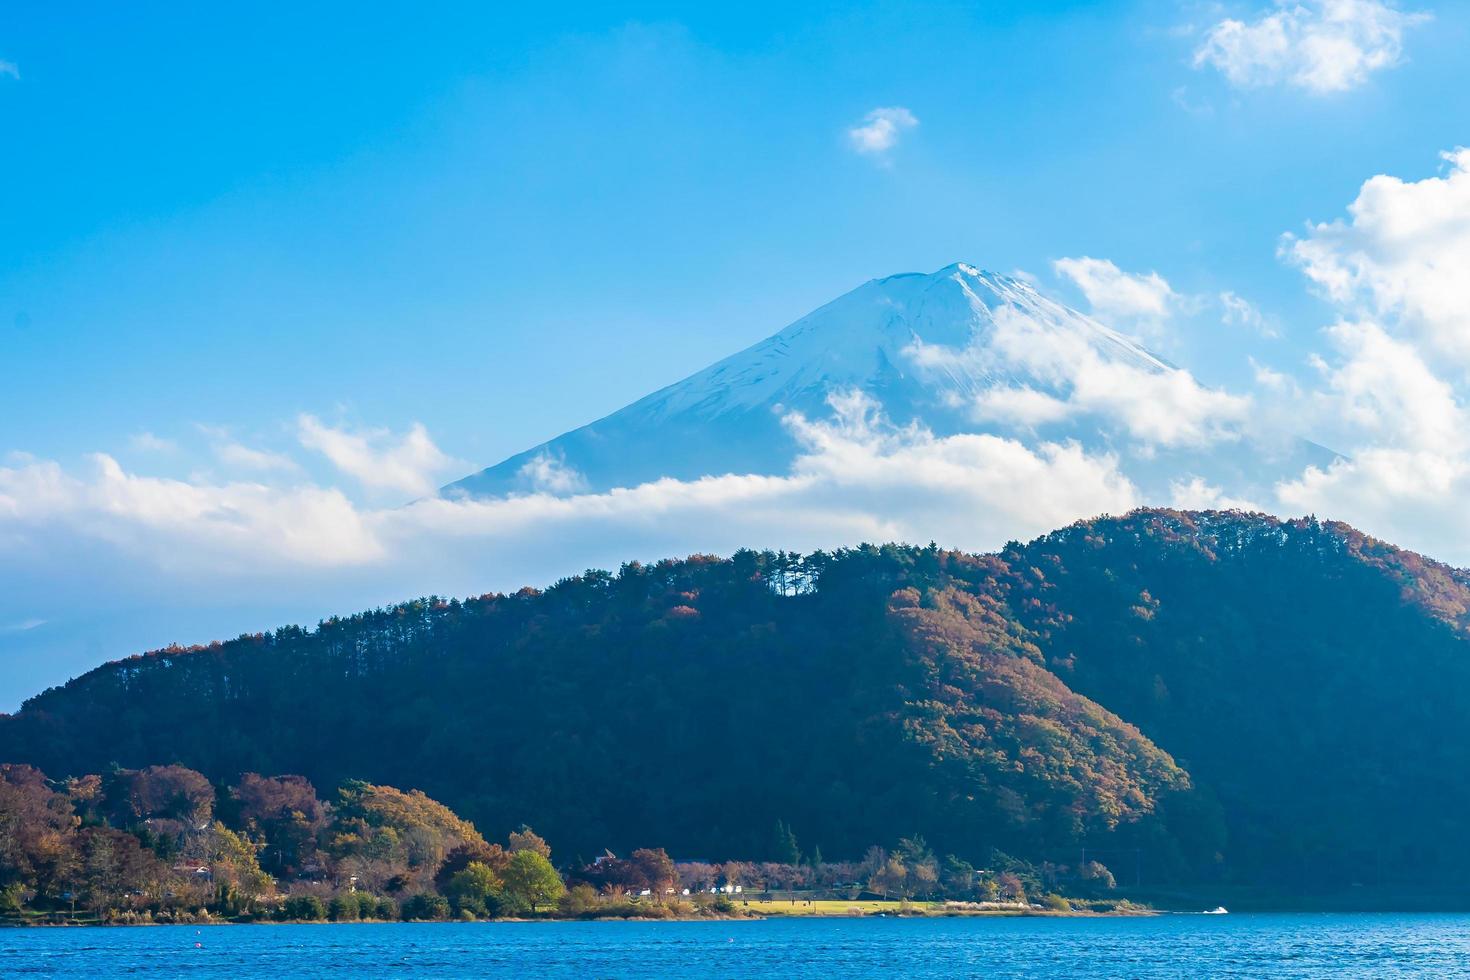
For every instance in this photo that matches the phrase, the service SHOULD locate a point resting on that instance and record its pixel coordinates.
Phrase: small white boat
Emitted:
(1217, 910)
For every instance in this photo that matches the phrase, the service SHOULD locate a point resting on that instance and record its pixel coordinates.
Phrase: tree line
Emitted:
(164, 844)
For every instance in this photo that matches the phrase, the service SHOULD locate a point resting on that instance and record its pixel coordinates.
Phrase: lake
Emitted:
(1302, 945)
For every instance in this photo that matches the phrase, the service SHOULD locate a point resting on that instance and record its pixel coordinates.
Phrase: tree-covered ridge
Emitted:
(689, 701)
(1436, 588)
(1314, 681)
(1227, 694)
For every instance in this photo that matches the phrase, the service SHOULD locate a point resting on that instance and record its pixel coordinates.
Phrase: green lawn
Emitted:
(878, 906)
(835, 907)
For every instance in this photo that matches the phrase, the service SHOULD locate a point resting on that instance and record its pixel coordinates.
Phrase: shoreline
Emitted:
(753, 916)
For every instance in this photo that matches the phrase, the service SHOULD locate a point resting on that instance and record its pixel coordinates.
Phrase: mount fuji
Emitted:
(960, 350)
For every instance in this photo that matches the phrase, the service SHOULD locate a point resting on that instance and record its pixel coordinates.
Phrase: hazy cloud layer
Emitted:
(855, 476)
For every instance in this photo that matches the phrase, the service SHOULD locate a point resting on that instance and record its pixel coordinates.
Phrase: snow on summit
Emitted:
(958, 350)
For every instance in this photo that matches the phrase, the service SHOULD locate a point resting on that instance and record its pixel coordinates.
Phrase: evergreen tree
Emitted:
(784, 849)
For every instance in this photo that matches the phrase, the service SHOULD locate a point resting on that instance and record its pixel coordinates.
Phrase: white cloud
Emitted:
(9, 68)
(1154, 404)
(1270, 378)
(177, 524)
(1197, 494)
(856, 478)
(881, 129)
(1320, 46)
(1167, 408)
(149, 443)
(1412, 497)
(1236, 311)
(1385, 392)
(926, 485)
(545, 473)
(23, 626)
(1022, 406)
(1180, 97)
(1392, 384)
(237, 455)
(1403, 254)
(1113, 293)
(244, 457)
(376, 459)
(1049, 367)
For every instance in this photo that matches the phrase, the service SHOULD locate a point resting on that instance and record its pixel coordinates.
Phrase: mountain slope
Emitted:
(1315, 680)
(958, 350)
(689, 702)
(1216, 693)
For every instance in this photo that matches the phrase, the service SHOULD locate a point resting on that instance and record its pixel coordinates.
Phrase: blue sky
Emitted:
(505, 225)
(499, 224)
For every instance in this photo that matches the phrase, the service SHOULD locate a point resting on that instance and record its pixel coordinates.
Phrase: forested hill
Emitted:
(1205, 694)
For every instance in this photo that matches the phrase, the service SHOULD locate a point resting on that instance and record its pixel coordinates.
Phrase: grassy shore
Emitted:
(843, 908)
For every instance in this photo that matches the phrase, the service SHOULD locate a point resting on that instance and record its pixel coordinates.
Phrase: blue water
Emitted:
(1169, 946)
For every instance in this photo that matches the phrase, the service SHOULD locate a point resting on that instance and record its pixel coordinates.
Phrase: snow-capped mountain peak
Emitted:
(871, 335)
(955, 350)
